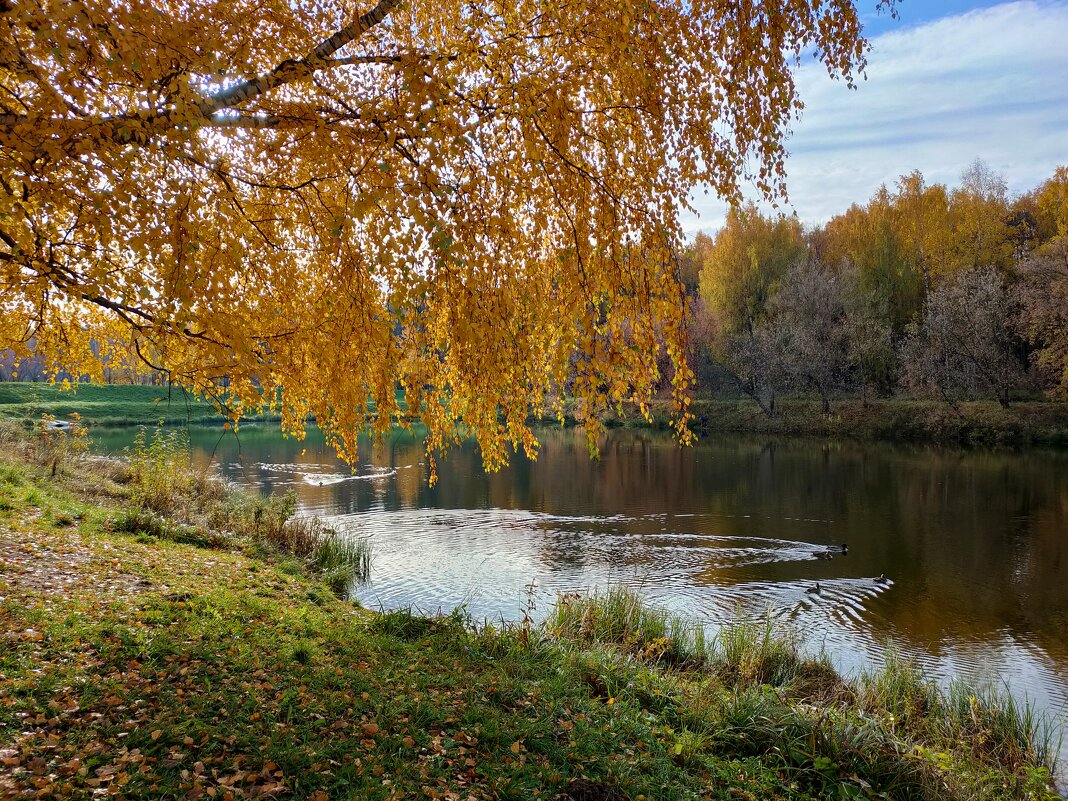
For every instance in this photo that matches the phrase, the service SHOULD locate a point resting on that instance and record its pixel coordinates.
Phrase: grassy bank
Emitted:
(116, 404)
(164, 639)
(898, 420)
(969, 423)
(108, 404)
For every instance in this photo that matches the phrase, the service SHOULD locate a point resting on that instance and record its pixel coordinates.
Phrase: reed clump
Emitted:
(619, 617)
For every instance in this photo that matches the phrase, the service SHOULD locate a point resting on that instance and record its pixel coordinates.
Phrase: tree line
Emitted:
(927, 290)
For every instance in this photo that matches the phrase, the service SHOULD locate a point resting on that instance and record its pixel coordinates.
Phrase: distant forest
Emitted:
(929, 291)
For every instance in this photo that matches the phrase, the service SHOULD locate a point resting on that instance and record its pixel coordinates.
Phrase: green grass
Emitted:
(162, 497)
(116, 404)
(345, 560)
(752, 692)
(107, 404)
(144, 665)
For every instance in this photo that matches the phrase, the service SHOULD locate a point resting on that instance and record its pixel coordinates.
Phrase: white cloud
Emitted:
(991, 83)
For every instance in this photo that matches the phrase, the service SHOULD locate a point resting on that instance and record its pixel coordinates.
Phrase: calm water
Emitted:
(975, 543)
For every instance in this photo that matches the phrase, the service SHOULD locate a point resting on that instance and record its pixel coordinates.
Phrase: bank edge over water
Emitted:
(983, 423)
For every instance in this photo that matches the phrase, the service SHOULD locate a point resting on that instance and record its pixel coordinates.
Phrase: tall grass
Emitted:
(751, 691)
(619, 616)
(751, 653)
(343, 560)
(829, 750)
(997, 727)
(899, 692)
(742, 654)
(986, 719)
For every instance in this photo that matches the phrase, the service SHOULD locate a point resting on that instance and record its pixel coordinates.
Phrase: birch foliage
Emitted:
(321, 201)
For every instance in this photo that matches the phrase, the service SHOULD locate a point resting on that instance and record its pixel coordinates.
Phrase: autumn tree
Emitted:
(921, 218)
(691, 260)
(739, 276)
(749, 255)
(326, 200)
(964, 344)
(1040, 216)
(891, 265)
(1051, 207)
(980, 215)
(1042, 291)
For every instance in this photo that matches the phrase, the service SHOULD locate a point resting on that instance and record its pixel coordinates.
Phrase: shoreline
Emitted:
(970, 423)
(153, 652)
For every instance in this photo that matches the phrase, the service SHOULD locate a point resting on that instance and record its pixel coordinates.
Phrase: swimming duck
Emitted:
(843, 548)
(824, 555)
(814, 590)
(881, 579)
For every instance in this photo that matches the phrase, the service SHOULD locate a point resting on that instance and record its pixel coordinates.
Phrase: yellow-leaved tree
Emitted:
(320, 202)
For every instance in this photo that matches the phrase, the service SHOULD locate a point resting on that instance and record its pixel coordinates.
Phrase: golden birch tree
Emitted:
(321, 201)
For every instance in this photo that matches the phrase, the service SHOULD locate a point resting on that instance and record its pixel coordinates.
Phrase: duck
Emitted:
(829, 551)
(881, 579)
(814, 590)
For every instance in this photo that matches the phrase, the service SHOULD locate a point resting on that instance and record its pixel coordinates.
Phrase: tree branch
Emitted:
(289, 71)
(286, 72)
(399, 58)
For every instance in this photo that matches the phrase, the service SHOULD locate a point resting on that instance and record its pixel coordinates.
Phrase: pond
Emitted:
(974, 543)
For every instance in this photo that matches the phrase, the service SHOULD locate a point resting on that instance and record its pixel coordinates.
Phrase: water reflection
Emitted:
(974, 542)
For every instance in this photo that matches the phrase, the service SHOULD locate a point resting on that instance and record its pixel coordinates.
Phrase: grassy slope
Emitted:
(150, 669)
(115, 404)
(107, 404)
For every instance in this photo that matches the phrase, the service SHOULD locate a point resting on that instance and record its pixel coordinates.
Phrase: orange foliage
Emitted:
(322, 202)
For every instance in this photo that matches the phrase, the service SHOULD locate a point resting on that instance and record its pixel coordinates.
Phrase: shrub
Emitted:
(55, 443)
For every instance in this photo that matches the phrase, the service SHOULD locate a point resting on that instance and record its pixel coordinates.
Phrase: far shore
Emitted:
(968, 423)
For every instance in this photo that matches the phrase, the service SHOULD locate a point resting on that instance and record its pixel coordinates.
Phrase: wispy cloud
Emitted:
(991, 83)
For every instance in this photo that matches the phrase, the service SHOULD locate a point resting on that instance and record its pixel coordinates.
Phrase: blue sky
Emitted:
(947, 82)
(915, 12)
